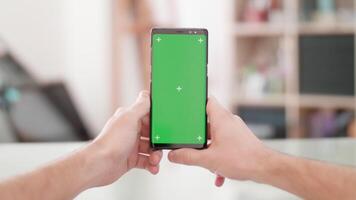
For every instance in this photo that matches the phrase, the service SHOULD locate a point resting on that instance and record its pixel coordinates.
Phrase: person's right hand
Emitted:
(234, 152)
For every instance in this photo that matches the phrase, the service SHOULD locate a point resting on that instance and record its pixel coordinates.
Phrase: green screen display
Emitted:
(179, 70)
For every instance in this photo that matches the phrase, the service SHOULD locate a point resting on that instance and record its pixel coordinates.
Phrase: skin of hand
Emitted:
(234, 151)
(124, 142)
(122, 145)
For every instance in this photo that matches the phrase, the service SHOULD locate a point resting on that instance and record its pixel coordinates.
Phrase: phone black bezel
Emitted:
(191, 31)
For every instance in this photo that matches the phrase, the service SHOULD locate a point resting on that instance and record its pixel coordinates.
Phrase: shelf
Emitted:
(258, 29)
(314, 28)
(325, 101)
(265, 29)
(306, 101)
(266, 101)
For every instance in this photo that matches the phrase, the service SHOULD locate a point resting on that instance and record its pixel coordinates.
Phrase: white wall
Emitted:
(64, 40)
(88, 57)
(34, 30)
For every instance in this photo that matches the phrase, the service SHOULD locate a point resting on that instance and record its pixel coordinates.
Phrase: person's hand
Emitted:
(234, 152)
(124, 144)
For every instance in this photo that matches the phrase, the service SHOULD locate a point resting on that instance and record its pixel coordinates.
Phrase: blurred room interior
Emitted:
(287, 67)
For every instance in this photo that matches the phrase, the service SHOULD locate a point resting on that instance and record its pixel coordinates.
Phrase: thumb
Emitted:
(188, 157)
(215, 110)
(142, 105)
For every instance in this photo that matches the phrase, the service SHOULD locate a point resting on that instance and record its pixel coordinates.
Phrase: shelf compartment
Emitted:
(327, 65)
(265, 122)
(260, 68)
(326, 122)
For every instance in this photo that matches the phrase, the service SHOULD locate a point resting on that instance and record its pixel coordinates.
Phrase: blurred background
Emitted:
(286, 67)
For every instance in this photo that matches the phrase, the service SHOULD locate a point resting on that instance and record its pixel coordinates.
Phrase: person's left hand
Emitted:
(124, 144)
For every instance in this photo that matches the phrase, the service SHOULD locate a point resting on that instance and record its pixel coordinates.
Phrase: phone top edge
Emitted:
(179, 31)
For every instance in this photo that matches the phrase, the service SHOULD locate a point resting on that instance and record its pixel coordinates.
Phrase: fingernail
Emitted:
(170, 155)
(155, 169)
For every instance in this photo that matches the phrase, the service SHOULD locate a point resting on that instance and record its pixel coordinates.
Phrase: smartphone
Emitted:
(179, 60)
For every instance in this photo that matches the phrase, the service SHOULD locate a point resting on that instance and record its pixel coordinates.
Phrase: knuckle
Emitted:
(119, 111)
(183, 157)
(237, 118)
(127, 116)
(186, 158)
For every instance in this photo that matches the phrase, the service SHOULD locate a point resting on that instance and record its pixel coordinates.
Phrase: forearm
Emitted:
(309, 179)
(62, 179)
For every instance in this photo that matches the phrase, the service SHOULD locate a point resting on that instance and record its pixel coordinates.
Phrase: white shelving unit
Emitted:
(286, 33)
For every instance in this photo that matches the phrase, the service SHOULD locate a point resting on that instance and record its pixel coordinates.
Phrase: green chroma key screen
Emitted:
(178, 89)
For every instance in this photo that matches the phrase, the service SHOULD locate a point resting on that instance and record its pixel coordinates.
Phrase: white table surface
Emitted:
(176, 182)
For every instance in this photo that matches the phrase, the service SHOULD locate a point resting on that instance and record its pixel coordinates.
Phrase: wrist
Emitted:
(72, 174)
(279, 169)
(103, 165)
(88, 167)
(267, 167)
(93, 165)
